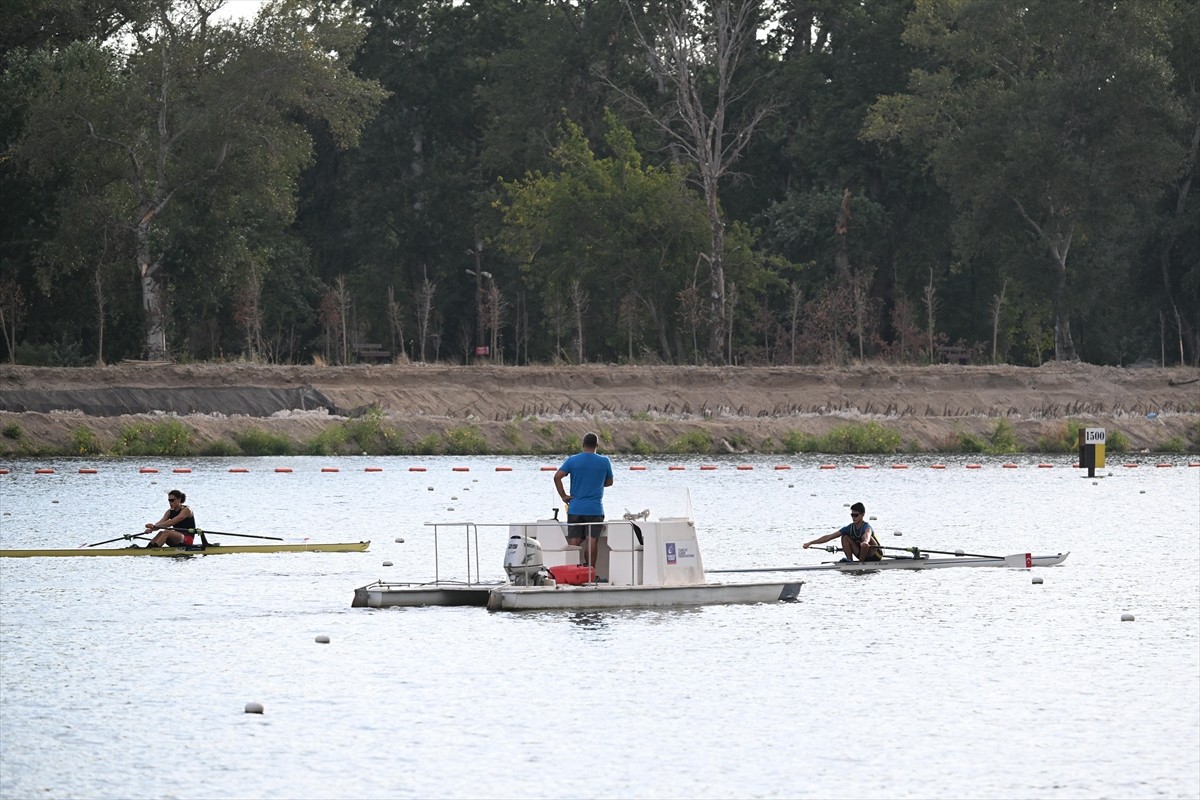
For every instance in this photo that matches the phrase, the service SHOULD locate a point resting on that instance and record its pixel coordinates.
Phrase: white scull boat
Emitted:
(1015, 561)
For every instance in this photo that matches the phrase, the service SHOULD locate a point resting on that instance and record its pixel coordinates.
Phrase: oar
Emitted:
(225, 533)
(916, 551)
(119, 538)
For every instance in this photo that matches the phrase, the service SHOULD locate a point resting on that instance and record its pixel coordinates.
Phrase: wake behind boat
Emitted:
(641, 564)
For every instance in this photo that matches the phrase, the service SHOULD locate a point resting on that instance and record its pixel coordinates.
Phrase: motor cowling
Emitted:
(523, 560)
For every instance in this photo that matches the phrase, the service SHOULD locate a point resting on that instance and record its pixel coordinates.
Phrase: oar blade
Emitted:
(1019, 560)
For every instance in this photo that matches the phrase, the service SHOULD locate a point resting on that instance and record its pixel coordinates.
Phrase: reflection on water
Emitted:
(968, 682)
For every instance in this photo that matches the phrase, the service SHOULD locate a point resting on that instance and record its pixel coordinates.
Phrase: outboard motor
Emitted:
(523, 560)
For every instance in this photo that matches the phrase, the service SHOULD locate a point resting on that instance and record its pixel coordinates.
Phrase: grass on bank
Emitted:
(371, 435)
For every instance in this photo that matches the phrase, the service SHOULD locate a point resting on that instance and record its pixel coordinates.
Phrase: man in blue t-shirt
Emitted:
(590, 473)
(858, 538)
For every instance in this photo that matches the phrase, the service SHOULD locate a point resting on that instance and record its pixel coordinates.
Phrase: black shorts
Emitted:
(580, 530)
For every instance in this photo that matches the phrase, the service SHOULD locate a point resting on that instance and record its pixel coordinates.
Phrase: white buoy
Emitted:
(322, 639)
(1143, 491)
(254, 708)
(1127, 618)
(1037, 580)
(1094, 483)
(959, 553)
(399, 540)
(897, 533)
(431, 488)
(453, 497)
(872, 518)
(387, 563)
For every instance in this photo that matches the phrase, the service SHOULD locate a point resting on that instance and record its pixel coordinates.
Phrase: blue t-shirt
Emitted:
(860, 533)
(589, 472)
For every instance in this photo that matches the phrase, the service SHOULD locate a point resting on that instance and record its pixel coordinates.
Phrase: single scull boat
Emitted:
(212, 549)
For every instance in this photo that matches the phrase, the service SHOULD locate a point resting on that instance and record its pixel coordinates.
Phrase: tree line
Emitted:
(566, 181)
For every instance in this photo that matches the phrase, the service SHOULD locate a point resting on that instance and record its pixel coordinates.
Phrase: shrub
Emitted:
(13, 431)
(799, 442)
(330, 441)
(84, 442)
(167, 438)
(221, 447)
(1064, 440)
(640, 446)
(430, 445)
(257, 442)
(1175, 444)
(371, 435)
(512, 435)
(465, 441)
(571, 443)
(1117, 442)
(1003, 439)
(858, 438)
(694, 441)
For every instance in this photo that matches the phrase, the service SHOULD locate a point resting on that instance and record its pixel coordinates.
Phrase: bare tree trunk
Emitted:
(153, 297)
(692, 43)
(424, 313)
(997, 307)
(395, 323)
(931, 304)
(579, 304)
(794, 318)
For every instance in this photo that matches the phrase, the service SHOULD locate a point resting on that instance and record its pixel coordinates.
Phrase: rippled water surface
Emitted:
(129, 677)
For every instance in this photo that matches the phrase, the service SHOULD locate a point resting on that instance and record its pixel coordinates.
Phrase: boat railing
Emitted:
(624, 541)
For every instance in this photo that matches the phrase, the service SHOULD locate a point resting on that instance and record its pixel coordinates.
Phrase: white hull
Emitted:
(535, 598)
(1020, 561)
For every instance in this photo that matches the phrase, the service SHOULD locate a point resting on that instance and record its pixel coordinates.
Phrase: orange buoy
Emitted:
(147, 470)
(675, 468)
(829, 466)
(1131, 465)
(238, 469)
(783, 466)
(899, 466)
(1045, 466)
(937, 466)
(283, 469)
(862, 466)
(745, 466)
(87, 471)
(416, 469)
(1194, 463)
(3, 472)
(180, 470)
(461, 469)
(1164, 465)
(503, 469)
(549, 469)
(329, 469)
(638, 468)
(43, 472)
(707, 467)
(974, 466)
(373, 469)
(1009, 466)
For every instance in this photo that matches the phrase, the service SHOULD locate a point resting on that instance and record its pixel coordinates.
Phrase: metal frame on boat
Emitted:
(641, 564)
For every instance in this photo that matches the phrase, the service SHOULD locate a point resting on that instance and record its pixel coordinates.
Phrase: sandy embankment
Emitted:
(536, 408)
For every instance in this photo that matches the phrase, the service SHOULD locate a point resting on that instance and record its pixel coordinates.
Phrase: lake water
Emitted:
(129, 677)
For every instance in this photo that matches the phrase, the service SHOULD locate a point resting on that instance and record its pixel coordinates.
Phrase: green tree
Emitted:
(1054, 115)
(184, 113)
(617, 227)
